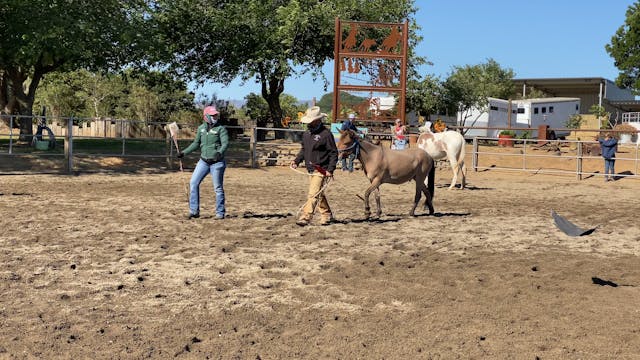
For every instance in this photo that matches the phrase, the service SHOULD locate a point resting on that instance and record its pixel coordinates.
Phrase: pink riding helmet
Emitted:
(209, 110)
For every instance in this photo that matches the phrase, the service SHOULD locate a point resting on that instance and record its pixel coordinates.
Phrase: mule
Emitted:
(386, 166)
(447, 144)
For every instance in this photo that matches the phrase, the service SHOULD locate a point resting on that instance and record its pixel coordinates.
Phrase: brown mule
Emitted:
(386, 166)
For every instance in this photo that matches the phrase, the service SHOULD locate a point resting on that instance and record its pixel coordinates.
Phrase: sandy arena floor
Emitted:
(105, 266)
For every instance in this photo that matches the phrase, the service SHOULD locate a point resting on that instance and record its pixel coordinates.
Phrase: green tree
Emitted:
(533, 93)
(263, 41)
(172, 93)
(59, 94)
(257, 108)
(38, 37)
(470, 86)
(427, 96)
(625, 50)
(149, 96)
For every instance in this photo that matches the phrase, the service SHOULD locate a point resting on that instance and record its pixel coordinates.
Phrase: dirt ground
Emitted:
(106, 266)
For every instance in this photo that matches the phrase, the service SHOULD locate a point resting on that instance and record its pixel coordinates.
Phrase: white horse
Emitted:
(449, 144)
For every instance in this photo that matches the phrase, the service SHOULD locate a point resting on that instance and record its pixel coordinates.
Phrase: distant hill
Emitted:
(239, 103)
(236, 103)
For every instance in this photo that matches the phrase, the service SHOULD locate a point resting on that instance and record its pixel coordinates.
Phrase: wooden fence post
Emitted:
(474, 155)
(122, 134)
(579, 161)
(252, 145)
(10, 134)
(68, 146)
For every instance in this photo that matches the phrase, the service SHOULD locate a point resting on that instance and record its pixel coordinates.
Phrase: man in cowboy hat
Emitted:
(320, 155)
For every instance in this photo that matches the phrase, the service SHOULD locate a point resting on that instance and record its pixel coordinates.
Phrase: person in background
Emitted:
(400, 139)
(609, 146)
(347, 163)
(213, 140)
(320, 155)
(428, 125)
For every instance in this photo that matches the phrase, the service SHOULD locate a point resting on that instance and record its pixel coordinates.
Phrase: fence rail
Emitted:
(263, 146)
(578, 157)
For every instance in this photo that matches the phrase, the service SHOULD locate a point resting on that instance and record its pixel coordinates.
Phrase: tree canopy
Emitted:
(625, 50)
(41, 36)
(470, 86)
(427, 96)
(263, 41)
(149, 96)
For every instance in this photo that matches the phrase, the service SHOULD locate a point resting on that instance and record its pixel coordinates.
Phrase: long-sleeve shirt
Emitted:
(211, 140)
(318, 148)
(609, 148)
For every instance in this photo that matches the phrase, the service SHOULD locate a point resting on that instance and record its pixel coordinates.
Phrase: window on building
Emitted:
(544, 109)
(535, 110)
(520, 110)
(550, 109)
(494, 108)
(577, 106)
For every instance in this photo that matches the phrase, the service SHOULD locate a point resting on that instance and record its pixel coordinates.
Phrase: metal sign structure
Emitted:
(370, 70)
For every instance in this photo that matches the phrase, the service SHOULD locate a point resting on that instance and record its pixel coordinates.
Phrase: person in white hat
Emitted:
(347, 163)
(320, 155)
(213, 140)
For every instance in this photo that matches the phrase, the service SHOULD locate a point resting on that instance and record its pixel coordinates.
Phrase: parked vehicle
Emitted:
(553, 112)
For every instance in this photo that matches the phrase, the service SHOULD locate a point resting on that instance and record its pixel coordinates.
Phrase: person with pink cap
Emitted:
(213, 140)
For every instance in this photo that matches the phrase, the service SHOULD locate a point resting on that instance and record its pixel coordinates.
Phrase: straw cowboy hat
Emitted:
(312, 114)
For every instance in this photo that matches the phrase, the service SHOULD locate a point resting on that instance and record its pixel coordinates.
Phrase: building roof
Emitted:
(581, 87)
(627, 106)
(548, 100)
(563, 86)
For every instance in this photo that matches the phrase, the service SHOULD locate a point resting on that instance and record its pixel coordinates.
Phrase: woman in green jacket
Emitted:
(213, 140)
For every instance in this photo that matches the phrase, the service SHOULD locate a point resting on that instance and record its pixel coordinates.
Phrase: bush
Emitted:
(574, 121)
(525, 135)
(507, 132)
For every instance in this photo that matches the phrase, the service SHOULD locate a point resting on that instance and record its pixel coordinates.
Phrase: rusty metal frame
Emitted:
(341, 55)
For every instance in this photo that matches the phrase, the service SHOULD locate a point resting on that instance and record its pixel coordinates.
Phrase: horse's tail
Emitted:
(461, 156)
(461, 165)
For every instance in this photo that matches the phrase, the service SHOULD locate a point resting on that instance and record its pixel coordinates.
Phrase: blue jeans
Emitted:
(400, 144)
(347, 163)
(608, 167)
(217, 175)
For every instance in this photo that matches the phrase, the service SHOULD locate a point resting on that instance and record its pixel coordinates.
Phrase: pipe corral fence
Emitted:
(81, 145)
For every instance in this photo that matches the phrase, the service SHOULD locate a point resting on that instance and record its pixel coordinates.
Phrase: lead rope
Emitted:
(326, 180)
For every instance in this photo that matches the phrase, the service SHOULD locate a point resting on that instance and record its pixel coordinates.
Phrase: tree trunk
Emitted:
(15, 101)
(272, 88)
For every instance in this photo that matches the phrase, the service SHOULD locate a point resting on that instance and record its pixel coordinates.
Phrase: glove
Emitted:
(180, 155)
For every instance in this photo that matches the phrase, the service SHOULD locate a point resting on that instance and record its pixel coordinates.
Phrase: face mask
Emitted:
(313, 127)
(211, 119)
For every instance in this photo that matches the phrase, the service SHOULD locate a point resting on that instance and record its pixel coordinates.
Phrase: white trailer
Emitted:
(495, 115)
(553, 112)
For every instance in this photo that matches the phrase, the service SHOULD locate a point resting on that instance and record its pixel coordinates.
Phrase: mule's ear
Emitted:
(341, 131)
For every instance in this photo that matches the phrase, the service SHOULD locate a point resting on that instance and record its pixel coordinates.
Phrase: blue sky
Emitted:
(536, 39)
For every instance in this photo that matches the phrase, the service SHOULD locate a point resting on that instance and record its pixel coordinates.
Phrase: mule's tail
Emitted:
(432, 179)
